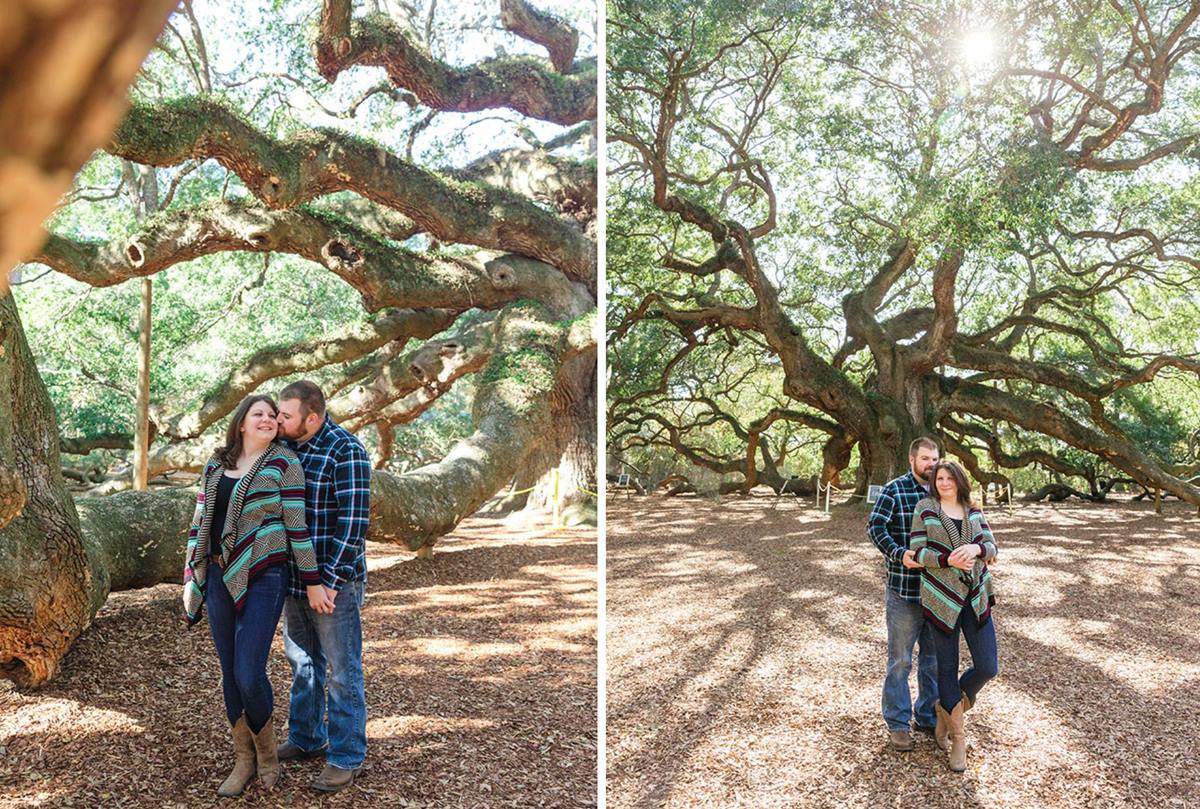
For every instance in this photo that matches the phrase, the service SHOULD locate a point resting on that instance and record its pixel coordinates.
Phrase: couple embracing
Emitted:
(280, 528)
(937, 545)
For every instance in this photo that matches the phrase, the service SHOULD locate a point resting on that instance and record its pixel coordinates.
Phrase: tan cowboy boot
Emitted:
(243, 761)
(268, 758)
(958, 739)
(941, 732)
(966, 701)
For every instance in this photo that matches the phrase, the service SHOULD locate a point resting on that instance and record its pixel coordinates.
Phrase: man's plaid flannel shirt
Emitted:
(889, 527)
(337, 489)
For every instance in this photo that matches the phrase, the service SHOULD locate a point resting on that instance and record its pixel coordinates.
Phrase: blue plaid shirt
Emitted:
(889, 526)
(337, 490)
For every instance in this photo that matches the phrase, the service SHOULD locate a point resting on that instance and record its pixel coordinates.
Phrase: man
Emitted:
(337, 476)
(889, 527)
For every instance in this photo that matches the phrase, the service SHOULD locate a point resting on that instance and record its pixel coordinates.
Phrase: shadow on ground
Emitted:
(746, 651)
(481, 688)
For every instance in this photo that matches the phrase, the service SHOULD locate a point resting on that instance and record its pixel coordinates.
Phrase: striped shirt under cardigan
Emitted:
(946, 590)
(264, 525)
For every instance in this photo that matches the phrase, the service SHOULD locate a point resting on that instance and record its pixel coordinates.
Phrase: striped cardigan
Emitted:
(263, 526)
(945, 590)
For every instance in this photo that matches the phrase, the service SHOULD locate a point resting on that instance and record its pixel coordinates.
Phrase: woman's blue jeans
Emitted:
(981, 640)
(244, 641)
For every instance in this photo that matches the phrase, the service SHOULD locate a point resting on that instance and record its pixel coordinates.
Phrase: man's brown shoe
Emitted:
(335, 779)
(901, 740)
(290, 752)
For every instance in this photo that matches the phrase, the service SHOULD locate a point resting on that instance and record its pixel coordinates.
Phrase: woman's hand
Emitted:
(319, 599)
(963, 557)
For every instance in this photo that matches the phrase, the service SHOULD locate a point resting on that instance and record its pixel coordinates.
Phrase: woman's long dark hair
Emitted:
(960, 481)
(229, 454)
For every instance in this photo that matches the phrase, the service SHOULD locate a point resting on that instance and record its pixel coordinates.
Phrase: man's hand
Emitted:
(320, 598)
(963, 557)
(910, 559)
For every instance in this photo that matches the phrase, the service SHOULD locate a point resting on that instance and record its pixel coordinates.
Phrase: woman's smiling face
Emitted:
(260, 421)
(947, 488)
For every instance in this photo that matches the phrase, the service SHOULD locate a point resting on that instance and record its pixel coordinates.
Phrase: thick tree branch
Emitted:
(992, 403)
(384, 274)
(523, 84)
(64, 115)
(285, 173)
(270, 363)
(549, 31)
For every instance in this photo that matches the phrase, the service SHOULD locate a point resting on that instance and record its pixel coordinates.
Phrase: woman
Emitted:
(249, 521)
(953, 543)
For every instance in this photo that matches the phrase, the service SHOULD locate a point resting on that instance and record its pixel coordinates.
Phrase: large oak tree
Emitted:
(471, 259)
(975, 222)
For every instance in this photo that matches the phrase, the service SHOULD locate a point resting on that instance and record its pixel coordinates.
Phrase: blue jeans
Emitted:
(981, 640)
(905, 626)
(244, 641)
(313, 642)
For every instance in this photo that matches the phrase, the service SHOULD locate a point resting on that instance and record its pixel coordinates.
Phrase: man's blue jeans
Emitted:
(905, 626)
(981, 640)
(244, 641)
(312, 642)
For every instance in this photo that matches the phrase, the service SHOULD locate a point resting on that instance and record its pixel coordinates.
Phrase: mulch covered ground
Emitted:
(746, 648)
(481, 691)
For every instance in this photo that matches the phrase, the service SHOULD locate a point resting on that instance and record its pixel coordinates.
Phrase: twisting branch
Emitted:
(545, 29)
(384, 274)
(519, 83)
(286, 173)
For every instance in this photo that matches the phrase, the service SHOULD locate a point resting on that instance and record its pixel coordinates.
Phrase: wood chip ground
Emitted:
(746, 649)
(481, 688)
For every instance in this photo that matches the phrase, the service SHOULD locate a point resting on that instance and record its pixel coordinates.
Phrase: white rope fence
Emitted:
(997, 491)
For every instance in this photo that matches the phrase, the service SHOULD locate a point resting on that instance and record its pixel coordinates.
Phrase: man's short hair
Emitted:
(924, 441)
(309, 394)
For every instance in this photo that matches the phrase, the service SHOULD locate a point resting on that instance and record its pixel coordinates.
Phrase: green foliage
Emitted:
(878, 128)
(254, 63)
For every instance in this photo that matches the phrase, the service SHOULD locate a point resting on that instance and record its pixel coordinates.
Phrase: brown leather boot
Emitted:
(941, 733)
(958, 739)
(268, 758)
(901, 740)
(243, 761)
(335, 779)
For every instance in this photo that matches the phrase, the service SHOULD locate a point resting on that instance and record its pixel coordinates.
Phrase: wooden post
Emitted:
(143, 183)
(1158, 501)
(425, 552)
(557, 504)
(141, 438)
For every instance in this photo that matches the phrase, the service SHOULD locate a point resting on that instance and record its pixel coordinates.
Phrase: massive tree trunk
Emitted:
(562, 464)
(46, 594)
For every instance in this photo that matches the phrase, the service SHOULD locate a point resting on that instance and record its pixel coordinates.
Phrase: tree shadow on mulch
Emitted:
(1091, 599)
(480, 669)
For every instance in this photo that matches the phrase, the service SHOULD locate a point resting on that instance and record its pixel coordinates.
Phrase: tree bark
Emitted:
(45, 576)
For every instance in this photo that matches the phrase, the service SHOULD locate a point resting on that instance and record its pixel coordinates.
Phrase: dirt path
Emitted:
(746, 648)
(481, 691)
